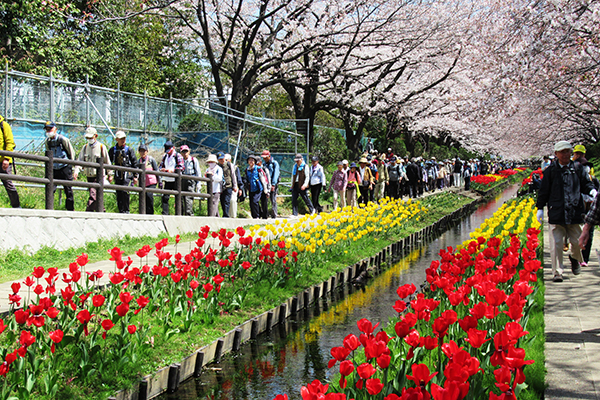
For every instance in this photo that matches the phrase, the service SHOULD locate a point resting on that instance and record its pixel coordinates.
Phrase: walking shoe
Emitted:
(575, 266)
(566, 247)
(557, 278)
(583, 264)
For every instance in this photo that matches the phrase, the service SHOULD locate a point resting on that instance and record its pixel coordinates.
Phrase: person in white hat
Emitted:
(171, 162)
(561, 191)
(191, 167)
(92, 150)
(217, 183)
(124, 156)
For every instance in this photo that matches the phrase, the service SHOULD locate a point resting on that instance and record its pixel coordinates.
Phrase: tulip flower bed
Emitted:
(465, 336)
(527, 180)
(489, 181)
(85, 341)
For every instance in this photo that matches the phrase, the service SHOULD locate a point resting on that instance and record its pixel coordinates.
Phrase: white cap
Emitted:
(120, 135)
(90, 132)
(345, 162)
(563, 145)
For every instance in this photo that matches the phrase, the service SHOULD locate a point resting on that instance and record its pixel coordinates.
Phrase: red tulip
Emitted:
(351, 342)
(98, 300)
(122, 309)
(125, 297)
(364, 325)
(365, 370)
(115, 254)
(406, 290)
(131, 329)
(107, 324)
(38, 272)
(26, 339)
(477, 338)
(246, 265)
(281, 397)
(142, 301)
(374, 386)
(420, 375)
(82, 259)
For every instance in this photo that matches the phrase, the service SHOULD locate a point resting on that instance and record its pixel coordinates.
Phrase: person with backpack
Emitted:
(7, 143)
(317, 181)
(395, 177)
(266, 181)
(216, 186)
(254, 186)
(339, 181)
(467, 175)
(92, 150)
(61, 149)
(191, 167)
(240, 195)
(172, 162)
(300, 182)
(382, 179)
(272, 166)
(122, 155)
(148, 163)
(354, 181)
(229, 183)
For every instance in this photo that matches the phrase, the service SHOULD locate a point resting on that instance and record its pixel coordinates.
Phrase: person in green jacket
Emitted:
(7, 142)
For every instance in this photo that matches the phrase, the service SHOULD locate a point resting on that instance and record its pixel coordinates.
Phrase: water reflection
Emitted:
(297, 352)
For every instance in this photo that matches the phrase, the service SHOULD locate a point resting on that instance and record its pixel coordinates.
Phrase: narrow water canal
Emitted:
(296, 353)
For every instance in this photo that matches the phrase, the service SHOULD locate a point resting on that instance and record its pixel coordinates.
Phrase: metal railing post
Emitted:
(118, 104)
(49, 189)
(170, 125)
(6, 90)
(100, 178)
(145, 111)
(209, 201)
(178, 195)
(142, 183)
(52, 110)
(87, 103)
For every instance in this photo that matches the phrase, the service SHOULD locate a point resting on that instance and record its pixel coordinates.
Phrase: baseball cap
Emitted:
(183, 148)
(345, 162)
(562, 145)
(49, 125)
(120, 135)
(143, 147)
(168, 145)
(579, 148)
(266, 153)
(314, 158)
(90, 132)
(298, 157)
(220, 155)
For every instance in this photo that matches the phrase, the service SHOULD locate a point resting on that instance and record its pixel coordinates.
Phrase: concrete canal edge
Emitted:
(169, 378)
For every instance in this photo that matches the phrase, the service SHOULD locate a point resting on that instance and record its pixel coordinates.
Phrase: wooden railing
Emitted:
(49, 182)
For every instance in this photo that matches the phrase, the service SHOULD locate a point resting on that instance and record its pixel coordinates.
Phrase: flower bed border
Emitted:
(168, 379)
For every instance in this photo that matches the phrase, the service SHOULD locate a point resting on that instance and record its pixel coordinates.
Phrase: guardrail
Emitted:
(49, 182)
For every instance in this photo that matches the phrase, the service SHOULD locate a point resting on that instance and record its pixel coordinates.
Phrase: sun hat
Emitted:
(363, 160)
(353, 165)
(562, 145)
(211, 158)
(251, 157)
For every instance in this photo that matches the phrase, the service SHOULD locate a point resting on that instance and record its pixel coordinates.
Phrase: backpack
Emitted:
(265, 179)
(394, 173)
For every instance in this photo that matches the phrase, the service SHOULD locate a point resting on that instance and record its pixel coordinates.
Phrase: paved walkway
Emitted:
(572, 317)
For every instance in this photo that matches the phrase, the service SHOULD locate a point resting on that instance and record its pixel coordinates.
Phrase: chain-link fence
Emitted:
(205, 125)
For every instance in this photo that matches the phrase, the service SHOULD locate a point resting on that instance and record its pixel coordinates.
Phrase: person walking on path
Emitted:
(352, 186)
(366, 180)
(217, 183)
(229, 183)
(239, 195)
(272, 166)
(148, 163)
(300, 181)
(122, 155)
(467, 176)
(339, 181)
(92, 150)
(579, 157)
(563, 184)
(7, 143)
(191, 167)
(317, 182)
(171, 162)
(61, 149)
(265, 178)
(254, 186)
(383, 180)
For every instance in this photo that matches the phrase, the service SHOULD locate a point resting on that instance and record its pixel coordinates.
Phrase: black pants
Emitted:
(296, 191)
(364, 194)
(226, 201)
(254, 199)
(123, 196)
(11, 190)
(150, 200)
(588, 246)
(393, 188)
(92, 204)
(66, 174)
(467, 183)
(165, 197)
(315, 191)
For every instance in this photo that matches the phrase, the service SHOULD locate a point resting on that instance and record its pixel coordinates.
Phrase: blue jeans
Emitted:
(226, 201)
(297, 191)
